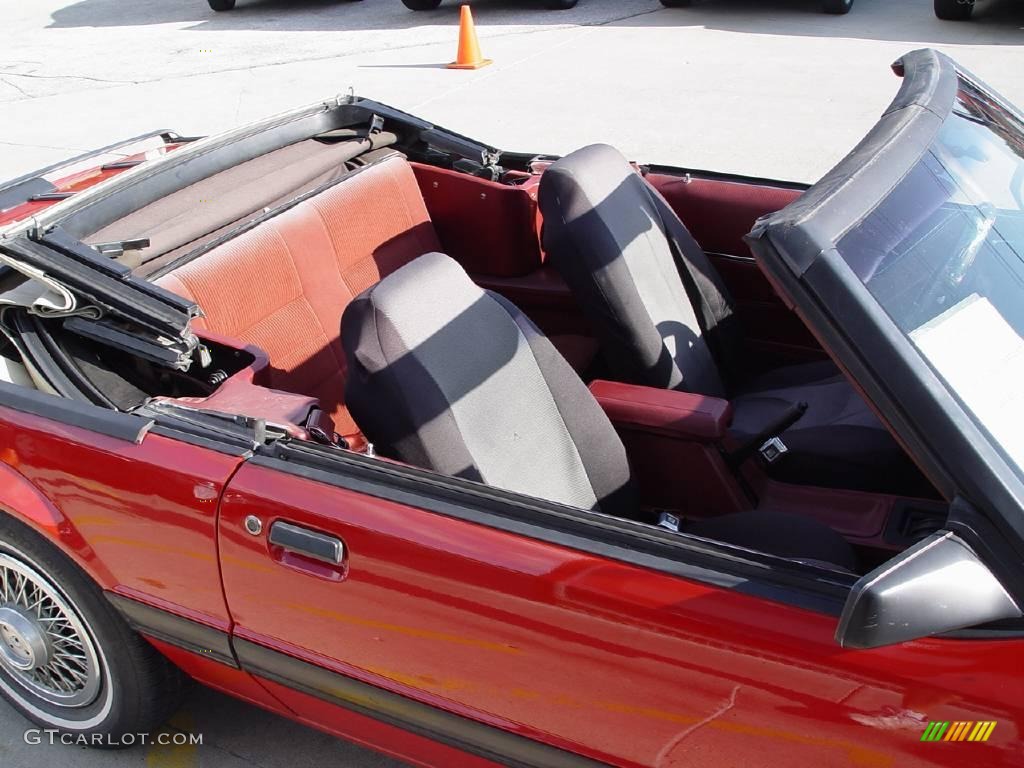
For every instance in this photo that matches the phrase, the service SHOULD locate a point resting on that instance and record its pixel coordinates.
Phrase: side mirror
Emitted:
(937, 585)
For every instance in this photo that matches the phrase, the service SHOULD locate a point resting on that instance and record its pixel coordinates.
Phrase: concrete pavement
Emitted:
(773, 89)
(766, 88)
(234, 735)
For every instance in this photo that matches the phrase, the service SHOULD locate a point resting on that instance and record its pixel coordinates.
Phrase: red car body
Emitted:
(615, 662)
(452, 637)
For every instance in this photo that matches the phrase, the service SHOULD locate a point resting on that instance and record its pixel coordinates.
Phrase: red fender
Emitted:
(20, 499)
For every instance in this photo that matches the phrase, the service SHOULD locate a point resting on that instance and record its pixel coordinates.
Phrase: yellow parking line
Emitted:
(174, 755)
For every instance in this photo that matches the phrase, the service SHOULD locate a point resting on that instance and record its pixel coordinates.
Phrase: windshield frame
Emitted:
(797, 247)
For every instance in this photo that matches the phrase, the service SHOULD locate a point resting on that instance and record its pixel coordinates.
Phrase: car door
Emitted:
(523, 632)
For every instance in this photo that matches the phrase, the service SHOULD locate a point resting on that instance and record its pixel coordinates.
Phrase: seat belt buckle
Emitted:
(771, 445)
(772, 449)
(668, 521)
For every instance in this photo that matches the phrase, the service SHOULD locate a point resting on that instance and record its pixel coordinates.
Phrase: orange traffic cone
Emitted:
(469, 56)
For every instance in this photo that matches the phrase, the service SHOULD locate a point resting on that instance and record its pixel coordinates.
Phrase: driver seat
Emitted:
(449, 377)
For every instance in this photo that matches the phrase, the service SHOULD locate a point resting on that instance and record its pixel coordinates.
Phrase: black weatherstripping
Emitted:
(176, 630)
(753, 573)
(52, 360)
(36, 345)
(123, 426)
(226, 433)
(59, 239)
(470, 736)
(50, 197)
(101, 282)
(699, 173)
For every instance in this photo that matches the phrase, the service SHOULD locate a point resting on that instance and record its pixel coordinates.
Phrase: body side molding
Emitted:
(470, 736)
(175, 630)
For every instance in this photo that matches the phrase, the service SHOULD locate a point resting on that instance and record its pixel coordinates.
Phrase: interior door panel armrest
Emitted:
(679, 414)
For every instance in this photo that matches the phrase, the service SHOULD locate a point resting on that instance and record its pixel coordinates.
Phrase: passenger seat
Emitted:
(617, 243)
(283, 284)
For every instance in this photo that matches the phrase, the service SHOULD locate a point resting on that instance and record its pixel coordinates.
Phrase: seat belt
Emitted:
(767, 442)
(725, 362)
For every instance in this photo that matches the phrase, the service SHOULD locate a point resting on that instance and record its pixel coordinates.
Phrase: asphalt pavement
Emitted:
(763, 87)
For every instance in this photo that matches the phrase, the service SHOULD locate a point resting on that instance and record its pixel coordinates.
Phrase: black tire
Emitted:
(677, 3)
(221, 5)
(836, 6)
(122, 684)
(421, 5)
(954, 10)
(560, 5)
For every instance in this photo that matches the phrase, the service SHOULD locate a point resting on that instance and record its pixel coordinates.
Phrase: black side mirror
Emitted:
(937, 585)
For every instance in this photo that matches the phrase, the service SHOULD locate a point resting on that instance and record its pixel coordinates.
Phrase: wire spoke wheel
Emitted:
(44, 645)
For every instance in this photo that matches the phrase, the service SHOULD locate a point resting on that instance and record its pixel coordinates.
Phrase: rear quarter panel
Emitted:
(138, 518)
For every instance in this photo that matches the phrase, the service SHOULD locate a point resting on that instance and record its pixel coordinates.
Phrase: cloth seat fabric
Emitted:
(283, 284)
(452, 378)
(665, 319)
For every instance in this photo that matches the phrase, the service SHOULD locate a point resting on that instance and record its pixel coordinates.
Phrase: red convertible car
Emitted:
(488, 458)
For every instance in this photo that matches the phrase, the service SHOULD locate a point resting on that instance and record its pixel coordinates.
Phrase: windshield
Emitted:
(943, 254)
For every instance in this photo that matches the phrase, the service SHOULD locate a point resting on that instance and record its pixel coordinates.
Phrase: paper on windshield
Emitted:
(981, 357)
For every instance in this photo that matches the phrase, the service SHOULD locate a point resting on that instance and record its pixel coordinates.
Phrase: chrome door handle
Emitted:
(319, 546)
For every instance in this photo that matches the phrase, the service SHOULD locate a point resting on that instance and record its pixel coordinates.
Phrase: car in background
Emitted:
(828, 6)
(225, 5)
(954, 10)
(328, 412)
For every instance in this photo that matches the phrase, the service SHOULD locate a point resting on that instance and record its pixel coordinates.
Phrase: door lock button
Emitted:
(253, 525)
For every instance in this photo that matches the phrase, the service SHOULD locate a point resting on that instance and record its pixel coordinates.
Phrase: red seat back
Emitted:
(284, 284)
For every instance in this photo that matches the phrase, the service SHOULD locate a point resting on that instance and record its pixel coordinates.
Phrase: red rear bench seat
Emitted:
(284, 284)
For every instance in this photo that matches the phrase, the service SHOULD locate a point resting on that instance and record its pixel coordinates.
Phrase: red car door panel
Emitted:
(136, 509)
(624, 664)
(139, 517)
(718, 211)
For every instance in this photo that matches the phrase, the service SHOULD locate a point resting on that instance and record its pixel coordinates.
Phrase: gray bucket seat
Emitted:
(665, 319)
(452, 378)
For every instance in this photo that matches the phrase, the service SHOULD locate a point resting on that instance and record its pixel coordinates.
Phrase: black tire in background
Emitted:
(421, 5)
(560, 5)
(677, 3)
(221, 5)
(954, 10)
(836, 6)
(68, 661)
